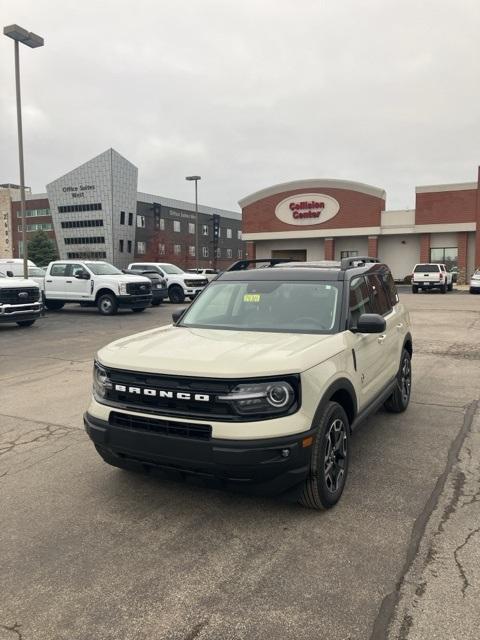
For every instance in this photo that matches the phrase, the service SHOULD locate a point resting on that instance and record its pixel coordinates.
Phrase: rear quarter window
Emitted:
(426, 268)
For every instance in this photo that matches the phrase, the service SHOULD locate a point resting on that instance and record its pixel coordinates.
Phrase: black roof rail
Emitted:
(355, 261)
(241, 265)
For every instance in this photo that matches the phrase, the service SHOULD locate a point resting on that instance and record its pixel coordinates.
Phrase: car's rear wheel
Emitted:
(176, 295)
(450, 286)
(400, 398)
(329, 463)
(107, 304)
(443, 288)
(414, 288)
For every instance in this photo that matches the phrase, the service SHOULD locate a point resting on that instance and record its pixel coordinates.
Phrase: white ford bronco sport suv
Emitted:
(259, 383)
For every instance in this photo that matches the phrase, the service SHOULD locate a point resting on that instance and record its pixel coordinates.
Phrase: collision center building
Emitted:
(331, 219)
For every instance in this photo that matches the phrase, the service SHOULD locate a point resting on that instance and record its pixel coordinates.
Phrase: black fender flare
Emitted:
(340, 385)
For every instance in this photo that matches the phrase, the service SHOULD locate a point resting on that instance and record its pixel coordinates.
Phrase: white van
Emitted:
(15, 265)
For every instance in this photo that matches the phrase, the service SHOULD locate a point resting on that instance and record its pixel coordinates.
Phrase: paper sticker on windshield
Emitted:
(251, 297)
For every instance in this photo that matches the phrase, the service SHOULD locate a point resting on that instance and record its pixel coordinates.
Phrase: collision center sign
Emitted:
(307, 209)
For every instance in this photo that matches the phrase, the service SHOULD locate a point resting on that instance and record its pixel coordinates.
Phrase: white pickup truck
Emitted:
(431, 276)
(93, 283)
(19, 300)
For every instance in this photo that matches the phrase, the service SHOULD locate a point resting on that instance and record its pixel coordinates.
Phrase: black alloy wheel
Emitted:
(176, 295)
(400, 398)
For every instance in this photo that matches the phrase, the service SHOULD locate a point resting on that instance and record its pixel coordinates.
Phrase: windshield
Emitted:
(171, 268)
(103, 269)
(290, 307)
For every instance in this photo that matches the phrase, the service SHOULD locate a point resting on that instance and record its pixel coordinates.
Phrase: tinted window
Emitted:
(58, 270)
(359, 300)
(381, 303)
(426, 268)
(390, 288)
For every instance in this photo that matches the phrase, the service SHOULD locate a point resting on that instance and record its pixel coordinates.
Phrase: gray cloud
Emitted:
(248, 93)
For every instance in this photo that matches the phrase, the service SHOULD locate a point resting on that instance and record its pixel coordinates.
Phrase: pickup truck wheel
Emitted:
(329, 463)
(107, 304)
(443, 288)
(176, 295)
(414, 288)
(450, 286)
(25, 323)
(54, 305)
(398, 401)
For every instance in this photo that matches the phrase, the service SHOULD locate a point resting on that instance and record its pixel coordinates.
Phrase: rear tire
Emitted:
(54, 305)
(25, 323)
(414, 288)
(400, 398)
(443, 288)
(176, 294)
(107, 304)
(450, 286)
(329, 463)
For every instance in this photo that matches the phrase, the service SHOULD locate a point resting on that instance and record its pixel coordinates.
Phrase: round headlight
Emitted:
(279, 394)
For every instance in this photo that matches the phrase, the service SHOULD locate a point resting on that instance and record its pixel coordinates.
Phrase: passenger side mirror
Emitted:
(177, 315)
(82, 275)
(371, 323)
(9, 274)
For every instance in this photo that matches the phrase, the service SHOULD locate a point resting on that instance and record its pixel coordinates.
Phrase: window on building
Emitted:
(130, 220)
(359, 300)
(141, 222)
(86, 240)
(129, 246)
(40, 226)
(87, 255)
(32, 213)
(229, 232)
(229, 253)
(177, 249)
(176, 226)
(348, 254)
(122, 217)
(141, 248)
(162, 224)
(191, 227)
(239, 235)
(204, 229)
(380, 300)
(120, 242)
(161, 249)
(69, 208)
(205, 252)
(191, 251)
(77, 224)
(240, 253)
(445, 255)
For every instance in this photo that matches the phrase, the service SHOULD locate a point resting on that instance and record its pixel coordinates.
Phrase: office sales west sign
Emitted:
(307, 209)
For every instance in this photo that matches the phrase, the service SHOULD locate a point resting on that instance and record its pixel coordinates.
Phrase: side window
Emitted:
(73, 269)
(380, 301)
(359, 300)
(390, 288)
(58, 270)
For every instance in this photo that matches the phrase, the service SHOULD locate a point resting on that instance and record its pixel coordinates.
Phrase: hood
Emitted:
(128, 277)
(16, 282)
(188, 276)
(219, 353)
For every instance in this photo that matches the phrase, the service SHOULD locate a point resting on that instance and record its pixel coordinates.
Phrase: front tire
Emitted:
(329, 463)
(107, 304)
(25, 323)
(400, 398)
(443, 288)
(176, 294)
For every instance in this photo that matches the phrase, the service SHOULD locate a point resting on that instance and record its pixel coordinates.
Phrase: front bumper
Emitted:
(19, 313)
(429, 285)
(135, 302)
(193, 291)
(267, 466)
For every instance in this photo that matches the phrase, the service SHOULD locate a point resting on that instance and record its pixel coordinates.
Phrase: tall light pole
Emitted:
(33, 41)
(196, 179)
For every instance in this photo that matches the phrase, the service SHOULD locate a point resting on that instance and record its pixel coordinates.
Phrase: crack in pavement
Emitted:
(461, 569)
(391, 600)
(48, 432)
(197, 629)
(15, 628)
(40, 422)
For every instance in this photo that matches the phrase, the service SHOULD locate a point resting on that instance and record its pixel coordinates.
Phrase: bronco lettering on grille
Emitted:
(161, 393)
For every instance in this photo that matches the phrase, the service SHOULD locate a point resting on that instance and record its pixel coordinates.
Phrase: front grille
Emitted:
(12, 296)
(163, 427)
(211, 409)
(138, 288)
(195, 283)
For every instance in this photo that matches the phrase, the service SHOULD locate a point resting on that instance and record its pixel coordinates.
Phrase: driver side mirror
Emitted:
(177, 315)
(371, 323)
(9, 274)
(82, 275)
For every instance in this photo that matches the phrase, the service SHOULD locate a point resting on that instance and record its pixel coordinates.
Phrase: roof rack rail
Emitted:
(355, 261)
(242, 265)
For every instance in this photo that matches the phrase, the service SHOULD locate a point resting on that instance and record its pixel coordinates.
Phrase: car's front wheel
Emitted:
(400, 398)
(176, 295)
(107, 304)
(329, 463)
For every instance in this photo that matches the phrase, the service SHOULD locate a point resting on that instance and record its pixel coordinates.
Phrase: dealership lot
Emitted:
(89, 551)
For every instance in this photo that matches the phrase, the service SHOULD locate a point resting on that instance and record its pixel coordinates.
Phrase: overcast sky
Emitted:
(247, 93)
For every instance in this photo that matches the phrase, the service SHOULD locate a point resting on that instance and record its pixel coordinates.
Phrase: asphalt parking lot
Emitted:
(92, 552)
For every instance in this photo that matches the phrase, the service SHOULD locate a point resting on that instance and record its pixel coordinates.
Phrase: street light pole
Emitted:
(195, 179)
(31, 40)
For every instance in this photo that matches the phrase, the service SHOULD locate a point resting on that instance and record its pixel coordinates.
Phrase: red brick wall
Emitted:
(329, 249)
(356, 210)
(373, 246)
(425, 247)
(40, 203)
(462, 240)
(445, 207)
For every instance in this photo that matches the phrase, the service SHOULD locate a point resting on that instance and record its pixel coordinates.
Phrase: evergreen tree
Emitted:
(41, 249)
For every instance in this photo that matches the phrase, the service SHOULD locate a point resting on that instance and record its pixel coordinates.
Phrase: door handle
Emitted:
(49, 281)
(68, 281)
(381, 338)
